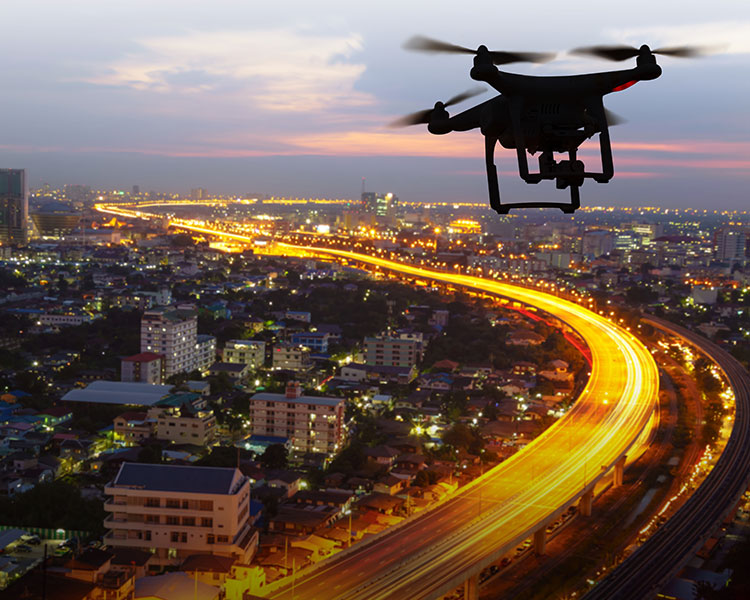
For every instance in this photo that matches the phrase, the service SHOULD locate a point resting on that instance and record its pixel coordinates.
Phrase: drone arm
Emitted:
(468, 119)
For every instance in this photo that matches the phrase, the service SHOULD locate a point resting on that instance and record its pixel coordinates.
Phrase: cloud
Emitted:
(276, 70)
(730, 37)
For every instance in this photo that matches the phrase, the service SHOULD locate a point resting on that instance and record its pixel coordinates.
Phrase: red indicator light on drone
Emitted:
(624, 86)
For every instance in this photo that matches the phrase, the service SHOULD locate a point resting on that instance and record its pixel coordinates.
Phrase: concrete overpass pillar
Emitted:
(540, 541)
(471, 588)
(584, 506)
(618, 475)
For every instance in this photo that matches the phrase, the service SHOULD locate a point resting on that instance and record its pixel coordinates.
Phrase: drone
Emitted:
(544, 114)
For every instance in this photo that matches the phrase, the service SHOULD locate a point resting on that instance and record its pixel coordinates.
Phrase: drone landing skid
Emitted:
(494, 187)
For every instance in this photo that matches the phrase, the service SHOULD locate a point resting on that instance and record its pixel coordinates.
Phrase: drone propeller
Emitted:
(617, 53)
(613, 118)
(499, 57)
(423, 116)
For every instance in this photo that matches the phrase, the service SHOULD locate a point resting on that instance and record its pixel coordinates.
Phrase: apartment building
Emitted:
(184, 419)
(174, 511)
(205, 352)
(290, 357)
(311, 423)
(172, 332)
(392, 352)
(133, 427)
(249, 352)
(147, 367)
(316, 341)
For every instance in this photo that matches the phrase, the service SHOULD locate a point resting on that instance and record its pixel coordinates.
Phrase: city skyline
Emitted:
(296, 103)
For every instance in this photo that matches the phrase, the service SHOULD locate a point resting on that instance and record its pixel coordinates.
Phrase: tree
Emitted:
(53, 504)
(223, 456)
(458, 436)
(150, 453)
(274, 457)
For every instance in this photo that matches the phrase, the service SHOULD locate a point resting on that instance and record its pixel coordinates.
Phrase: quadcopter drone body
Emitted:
(540, 114)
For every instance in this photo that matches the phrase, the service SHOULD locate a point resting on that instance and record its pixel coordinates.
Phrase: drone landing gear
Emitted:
(565, 176)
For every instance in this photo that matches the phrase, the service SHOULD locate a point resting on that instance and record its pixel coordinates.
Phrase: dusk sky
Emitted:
(293, 98)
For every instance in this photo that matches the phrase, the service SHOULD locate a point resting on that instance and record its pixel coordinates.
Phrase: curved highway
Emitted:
(672, 545)
(435, 552)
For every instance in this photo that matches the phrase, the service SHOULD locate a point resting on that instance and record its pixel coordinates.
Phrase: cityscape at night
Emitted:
(255, 343)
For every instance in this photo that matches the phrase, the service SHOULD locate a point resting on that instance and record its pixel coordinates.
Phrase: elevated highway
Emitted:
(434, 553)
(660, 558)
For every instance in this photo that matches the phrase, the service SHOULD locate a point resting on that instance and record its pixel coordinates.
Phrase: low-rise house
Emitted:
(174, 586)
(339, 499)
(390, 485)
(133, 427)
(304, 519)
(235, 371)
(376, 374)
(524, 337)
(382, 455)
(208, 568)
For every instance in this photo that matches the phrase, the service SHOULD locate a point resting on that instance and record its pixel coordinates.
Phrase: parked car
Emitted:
(34, 540)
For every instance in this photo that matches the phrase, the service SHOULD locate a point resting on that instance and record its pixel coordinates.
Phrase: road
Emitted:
(433, 553)
(667, 551)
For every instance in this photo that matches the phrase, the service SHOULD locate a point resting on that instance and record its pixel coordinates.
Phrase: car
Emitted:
(61, 551)
(23, 548)
(34, 540)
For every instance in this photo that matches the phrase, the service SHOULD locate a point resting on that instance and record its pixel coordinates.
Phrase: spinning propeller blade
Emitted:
(423, 116)
(617, 53)
(613, 118)
(499, 57)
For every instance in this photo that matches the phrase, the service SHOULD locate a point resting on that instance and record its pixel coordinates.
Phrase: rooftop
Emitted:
(320, 400)
(176, 478)
(119, 392)
(143, 357)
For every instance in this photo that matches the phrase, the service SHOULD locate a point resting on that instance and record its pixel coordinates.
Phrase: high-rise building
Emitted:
(55, 219)
(382, 205)
(198, 194)
(172, 332)
(14, 207)
(731, 244)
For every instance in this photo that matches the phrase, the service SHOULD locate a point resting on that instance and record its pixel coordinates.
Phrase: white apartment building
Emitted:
(249, 352)
(174, 511)
(291, 357)
(184, 419)
(205, 352)
(63, 319)
(392, 352)
(313, 424)
(172, 332)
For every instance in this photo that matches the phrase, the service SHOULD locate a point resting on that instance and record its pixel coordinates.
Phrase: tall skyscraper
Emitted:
(14, 207)
(382, 205)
